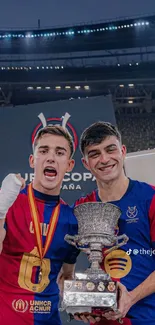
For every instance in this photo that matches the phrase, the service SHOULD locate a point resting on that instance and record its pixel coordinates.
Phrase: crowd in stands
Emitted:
(138, 130)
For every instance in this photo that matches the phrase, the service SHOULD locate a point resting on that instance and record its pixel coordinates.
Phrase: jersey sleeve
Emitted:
(8, 216)
(152, 220)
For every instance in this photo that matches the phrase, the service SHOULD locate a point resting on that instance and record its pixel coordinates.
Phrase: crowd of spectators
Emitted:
(138, 130)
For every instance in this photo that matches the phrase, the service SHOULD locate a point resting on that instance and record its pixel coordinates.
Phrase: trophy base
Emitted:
(89, 296)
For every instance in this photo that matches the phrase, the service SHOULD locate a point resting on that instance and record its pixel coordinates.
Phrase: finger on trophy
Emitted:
(80, 317)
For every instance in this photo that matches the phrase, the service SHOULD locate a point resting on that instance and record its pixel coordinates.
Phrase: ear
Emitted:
(85, 163)
(124, 149)
(31, 161)
(71, 165)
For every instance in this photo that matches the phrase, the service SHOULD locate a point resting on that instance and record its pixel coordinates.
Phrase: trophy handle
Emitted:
(75, 241)
(124, 238)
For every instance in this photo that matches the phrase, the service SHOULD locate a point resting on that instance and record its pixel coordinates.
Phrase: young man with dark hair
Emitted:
(33, 224)
(132, 265)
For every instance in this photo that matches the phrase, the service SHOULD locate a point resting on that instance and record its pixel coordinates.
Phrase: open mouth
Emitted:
(50, 172)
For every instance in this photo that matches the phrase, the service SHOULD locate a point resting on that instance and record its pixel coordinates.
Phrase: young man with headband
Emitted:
(33, 224)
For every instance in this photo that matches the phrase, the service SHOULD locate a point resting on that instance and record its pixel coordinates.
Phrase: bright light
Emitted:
(67, 87)
(77, 87)
(29, 88)
(38, 88)
(47, 88)
(131, 85)
(86, 87)
(137, 63)
(58, 87)
(121, 86)
(130, 101)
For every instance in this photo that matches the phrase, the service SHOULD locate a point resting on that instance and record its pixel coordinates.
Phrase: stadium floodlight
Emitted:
(48, 88)
(121, 86)
(38, 88)
(29, 88)
(86, 87)
(77, 87)
(131, 85)
(130, 101)
(58, 87)
(67, 87)
(137, 63)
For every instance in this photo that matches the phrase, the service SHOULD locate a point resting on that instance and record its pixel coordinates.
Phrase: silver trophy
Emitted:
(93, 289)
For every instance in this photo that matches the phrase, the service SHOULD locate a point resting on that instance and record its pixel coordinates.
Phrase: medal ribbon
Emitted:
(36, 223)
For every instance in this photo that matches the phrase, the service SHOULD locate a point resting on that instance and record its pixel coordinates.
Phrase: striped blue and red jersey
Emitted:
(132, 263)
(24, 300)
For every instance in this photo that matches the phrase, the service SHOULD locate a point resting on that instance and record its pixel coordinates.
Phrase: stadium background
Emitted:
(72, 67)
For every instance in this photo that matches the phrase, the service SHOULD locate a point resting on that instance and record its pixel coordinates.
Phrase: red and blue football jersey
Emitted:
(134, 262)
(24, 298)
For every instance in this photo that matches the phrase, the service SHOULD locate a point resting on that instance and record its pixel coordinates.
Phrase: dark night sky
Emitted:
(25, 13)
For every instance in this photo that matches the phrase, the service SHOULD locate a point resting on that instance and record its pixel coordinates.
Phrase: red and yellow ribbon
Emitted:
(37, 226)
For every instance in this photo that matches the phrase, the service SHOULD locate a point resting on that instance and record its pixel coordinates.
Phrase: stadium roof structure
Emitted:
(115, 34)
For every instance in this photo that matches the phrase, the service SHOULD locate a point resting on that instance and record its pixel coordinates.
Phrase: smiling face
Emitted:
(51, 160)
(105, 160)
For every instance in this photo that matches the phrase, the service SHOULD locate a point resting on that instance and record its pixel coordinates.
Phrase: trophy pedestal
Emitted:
(93, 296)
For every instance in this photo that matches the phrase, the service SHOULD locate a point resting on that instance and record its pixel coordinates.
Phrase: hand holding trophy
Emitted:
(93, 289)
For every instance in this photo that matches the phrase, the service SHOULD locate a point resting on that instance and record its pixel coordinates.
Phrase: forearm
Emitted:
(145, 289)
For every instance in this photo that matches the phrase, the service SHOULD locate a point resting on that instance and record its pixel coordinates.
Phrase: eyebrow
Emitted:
(57, 148)
(43, 147)
(96, 150)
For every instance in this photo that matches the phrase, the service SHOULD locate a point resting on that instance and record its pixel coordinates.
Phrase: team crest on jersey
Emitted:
(20, 305)
(132, 212)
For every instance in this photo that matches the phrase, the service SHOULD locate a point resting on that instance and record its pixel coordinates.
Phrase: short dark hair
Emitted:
(55, 130)
(96, 133)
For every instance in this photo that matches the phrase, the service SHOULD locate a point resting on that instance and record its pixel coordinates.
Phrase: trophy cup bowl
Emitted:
(93, 289)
